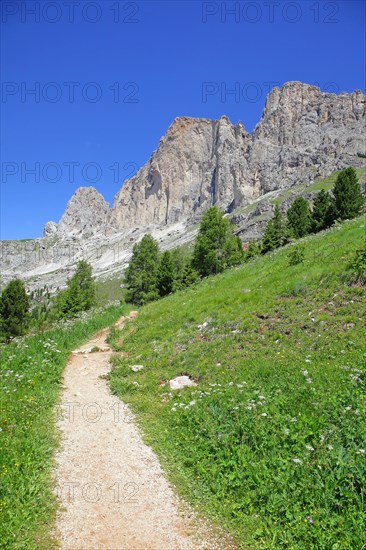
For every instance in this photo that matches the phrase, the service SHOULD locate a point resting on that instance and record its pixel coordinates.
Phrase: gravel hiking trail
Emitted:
(112, 491)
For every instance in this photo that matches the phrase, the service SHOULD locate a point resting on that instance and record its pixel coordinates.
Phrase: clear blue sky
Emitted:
(133, 71)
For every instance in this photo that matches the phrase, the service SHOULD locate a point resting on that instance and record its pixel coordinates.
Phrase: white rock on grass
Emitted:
(180, 382)
(136, 368)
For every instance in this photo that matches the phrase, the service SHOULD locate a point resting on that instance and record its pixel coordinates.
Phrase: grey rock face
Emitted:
(191, 170)
(303, 134)
(50, 229)
(85, 215)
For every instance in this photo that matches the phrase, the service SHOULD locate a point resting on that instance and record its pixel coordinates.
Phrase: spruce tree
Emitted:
(14, 309)
(269, 240)
(299, 217)
(141, 277)
(79, 294)
(323, 214)
(216, 247)
(277, 232)
(166, 274)
(189, 275)
(347, 194)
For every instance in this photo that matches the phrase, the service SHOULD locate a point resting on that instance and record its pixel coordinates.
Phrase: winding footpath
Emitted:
(112, 491)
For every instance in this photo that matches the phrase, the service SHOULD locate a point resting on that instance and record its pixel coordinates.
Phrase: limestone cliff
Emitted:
(303, 134)
(191, 170)
(85, 215)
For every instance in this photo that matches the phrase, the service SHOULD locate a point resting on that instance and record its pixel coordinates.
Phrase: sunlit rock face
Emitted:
(303, 135)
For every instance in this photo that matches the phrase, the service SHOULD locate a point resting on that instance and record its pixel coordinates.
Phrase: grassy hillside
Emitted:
(30, 377)
(109, 290)
(272, 440)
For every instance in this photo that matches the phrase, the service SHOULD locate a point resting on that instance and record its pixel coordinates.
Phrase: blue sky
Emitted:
(109, 78)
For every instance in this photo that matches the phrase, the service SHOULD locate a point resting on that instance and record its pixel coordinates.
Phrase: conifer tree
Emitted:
(323, 214)
(79, 294)
(189, 275)
(216, 247)
(14, 309)
(347, 195)
(299, 217)
(277, 232)
(166, 274)
(141, 277)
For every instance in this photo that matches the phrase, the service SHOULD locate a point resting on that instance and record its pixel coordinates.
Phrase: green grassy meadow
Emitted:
(271, 442)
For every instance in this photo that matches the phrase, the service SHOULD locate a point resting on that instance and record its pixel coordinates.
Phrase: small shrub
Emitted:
(357, 265)
(253, 251)
(296, 255)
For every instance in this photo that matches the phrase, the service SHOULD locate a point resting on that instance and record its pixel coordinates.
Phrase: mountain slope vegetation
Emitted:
(271, 442)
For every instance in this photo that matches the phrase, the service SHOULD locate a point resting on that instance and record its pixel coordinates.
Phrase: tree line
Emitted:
(152, 274)
(344, 202)
(19, 311)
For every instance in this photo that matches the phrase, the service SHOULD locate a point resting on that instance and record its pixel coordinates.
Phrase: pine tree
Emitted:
(299, 217)
(277, 232)
(166, 274)
(269, 240)
(323, 214)
(347, 193)
(141, 277)
(188, 277)
(14, 309)
(216, 247)
(79, 294)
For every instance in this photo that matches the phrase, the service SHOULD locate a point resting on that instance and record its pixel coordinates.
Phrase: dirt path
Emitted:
(112, 490)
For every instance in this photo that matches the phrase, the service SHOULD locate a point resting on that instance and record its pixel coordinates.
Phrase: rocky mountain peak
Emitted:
(189, 171)
(303, 134)
(50, 229)
(85, 215)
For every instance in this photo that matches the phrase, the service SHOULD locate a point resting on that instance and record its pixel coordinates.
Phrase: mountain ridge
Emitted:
(303, 135)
